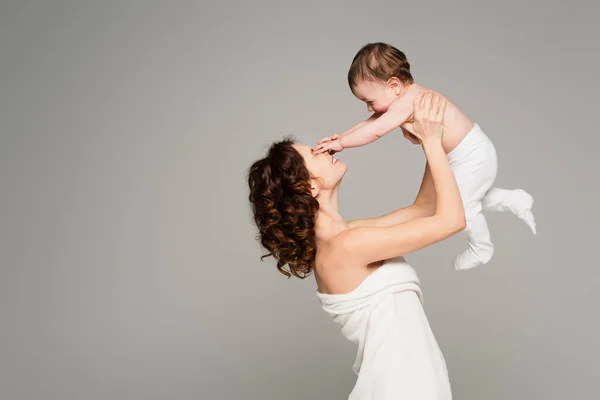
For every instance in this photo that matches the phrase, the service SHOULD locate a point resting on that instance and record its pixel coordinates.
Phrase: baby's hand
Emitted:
(330, 138)
(329, 144)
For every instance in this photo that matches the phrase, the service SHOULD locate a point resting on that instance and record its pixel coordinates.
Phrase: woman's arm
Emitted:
(423, 206)
(374, 243)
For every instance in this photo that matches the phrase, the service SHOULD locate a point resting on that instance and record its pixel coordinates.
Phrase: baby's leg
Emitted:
(480, 248)
(517, 201)
(475, 174)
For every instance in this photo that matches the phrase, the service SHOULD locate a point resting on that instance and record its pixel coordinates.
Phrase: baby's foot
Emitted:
(471, 259)
(520, 203)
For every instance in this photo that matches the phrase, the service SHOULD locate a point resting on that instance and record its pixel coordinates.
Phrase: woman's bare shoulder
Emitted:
(337, 251)
(337, 272)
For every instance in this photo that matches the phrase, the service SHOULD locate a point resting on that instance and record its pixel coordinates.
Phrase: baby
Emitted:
(380, 76)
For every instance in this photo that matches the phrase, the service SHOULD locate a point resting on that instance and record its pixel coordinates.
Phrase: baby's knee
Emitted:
(476, 223)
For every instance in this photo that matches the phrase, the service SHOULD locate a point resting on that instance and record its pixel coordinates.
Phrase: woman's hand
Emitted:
(429, 108)
(368, 243)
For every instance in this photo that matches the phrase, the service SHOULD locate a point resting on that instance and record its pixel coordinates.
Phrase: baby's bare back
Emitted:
(456, 123)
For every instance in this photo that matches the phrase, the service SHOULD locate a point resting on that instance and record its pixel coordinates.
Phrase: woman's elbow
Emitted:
(461, 224)
(455, 223)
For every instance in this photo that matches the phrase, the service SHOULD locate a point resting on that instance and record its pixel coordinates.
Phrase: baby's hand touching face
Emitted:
(329, 144)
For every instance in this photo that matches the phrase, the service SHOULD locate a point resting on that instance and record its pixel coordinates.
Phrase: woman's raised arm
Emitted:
(374, 243)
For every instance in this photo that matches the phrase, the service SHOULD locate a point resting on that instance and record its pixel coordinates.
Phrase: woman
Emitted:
(362, 280)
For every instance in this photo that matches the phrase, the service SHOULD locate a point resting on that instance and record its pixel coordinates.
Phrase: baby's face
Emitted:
(377, 95)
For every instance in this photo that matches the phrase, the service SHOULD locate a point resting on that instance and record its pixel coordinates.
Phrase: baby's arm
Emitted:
(398, 112)
(372, 129)
(361, 123)
(355, 127)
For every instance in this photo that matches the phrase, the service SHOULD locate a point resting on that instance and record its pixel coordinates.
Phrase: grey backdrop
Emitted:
(129, 264)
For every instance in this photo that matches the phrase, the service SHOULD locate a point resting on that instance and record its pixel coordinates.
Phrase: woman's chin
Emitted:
(343, 168)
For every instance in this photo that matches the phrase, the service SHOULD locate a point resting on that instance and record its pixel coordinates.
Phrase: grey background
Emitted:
(129, 264)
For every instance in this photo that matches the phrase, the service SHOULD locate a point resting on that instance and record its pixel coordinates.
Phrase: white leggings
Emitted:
(475, 165)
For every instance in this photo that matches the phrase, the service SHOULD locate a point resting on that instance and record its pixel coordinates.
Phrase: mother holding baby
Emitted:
(362, 280)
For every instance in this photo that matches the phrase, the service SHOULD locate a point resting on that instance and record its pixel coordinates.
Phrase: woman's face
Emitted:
(328, 170)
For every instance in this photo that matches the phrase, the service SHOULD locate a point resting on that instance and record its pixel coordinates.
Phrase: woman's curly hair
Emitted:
(284, 209)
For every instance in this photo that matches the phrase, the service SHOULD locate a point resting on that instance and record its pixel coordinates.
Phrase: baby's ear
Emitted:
(394, 83)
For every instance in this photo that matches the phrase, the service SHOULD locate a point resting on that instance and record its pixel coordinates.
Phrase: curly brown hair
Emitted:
(284, 209)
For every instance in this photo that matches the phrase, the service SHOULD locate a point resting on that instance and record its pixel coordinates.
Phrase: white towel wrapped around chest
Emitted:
(398, 356)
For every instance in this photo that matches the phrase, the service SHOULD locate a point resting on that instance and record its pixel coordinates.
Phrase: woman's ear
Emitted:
(314, 187)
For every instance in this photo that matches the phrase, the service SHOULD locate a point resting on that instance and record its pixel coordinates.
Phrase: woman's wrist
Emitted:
(428, 141)
(433, 149)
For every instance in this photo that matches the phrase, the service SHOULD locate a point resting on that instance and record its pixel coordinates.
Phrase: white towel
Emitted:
(398, 357)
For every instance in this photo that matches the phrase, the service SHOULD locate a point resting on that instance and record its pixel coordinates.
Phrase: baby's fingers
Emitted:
(321, 148)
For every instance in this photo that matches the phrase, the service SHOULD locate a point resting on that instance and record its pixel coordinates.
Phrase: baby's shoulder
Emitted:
(402, 104)
(415, 89)
(408, 97)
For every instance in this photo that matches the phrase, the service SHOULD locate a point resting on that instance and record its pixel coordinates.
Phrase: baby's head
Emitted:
(379, 73)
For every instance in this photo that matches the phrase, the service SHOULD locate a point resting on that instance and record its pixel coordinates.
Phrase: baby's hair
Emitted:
(379, 62)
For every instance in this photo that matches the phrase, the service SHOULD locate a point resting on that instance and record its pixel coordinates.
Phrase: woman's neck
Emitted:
(329, 221)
